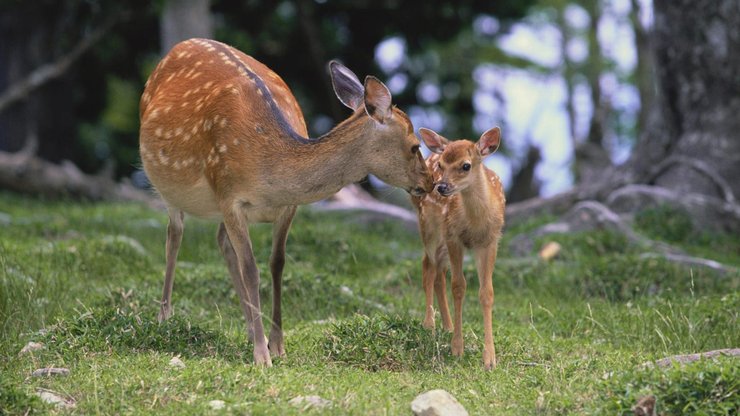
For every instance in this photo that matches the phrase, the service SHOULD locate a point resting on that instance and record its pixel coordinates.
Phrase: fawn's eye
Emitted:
(415, 149)
(466, 166)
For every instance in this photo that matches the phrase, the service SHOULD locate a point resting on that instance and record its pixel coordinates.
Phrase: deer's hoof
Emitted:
(164, 314)
(262, 357)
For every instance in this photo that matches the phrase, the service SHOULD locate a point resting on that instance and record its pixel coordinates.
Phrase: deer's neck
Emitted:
(320, 167)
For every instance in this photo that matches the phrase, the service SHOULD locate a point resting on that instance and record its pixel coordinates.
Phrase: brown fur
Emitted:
(472, 217)
(223, 137)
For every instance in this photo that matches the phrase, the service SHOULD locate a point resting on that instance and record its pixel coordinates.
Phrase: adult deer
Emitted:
(466, 212)
(223, 137)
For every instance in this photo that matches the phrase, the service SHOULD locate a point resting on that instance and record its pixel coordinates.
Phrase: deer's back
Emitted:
(205, 100)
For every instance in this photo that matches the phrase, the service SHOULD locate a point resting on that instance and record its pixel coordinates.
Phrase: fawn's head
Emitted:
(459, 160)
(393, 150)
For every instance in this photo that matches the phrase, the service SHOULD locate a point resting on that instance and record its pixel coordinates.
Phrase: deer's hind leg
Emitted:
(172, 247)
(277, 261)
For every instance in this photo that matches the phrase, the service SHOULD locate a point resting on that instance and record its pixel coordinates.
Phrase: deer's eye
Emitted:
(466, 166)
(415, 149)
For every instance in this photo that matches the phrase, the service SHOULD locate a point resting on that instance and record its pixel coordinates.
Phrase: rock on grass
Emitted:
(437, 403)
(306, 402)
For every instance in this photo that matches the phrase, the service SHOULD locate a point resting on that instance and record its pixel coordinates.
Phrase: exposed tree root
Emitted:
(592, 215)
(354, 198)
(24, 172)
(688, 358)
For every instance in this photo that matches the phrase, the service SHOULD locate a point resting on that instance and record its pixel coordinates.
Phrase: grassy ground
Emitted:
(84, 280)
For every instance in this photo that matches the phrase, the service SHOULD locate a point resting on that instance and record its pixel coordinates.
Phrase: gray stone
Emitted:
(48, 396)
(306, 402)
(437, 403)
(217, 404)
(51, 371)
(31, 347)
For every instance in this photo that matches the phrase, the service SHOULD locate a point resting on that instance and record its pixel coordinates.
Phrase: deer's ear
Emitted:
(489, 141)
(377, 99)
(346, 85)
(435, 142)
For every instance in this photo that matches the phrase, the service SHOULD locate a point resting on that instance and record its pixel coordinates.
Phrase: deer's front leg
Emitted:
(440, 288)
(238, 232)
(172, 247)
(428, 270)
(485, 260)
(277, 262)
(458, 294)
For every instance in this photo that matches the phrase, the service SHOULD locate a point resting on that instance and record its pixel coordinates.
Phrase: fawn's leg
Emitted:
(485, 260)
(440, 288)
(277, 261)
(428, 271)
(174, 238)
(238, 232)
(458, 293)
(232, 263)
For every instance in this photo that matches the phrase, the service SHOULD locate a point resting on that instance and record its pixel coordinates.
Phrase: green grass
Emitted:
(571, 335)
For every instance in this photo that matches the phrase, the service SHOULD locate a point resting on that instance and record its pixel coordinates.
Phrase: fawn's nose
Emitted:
(442, 188)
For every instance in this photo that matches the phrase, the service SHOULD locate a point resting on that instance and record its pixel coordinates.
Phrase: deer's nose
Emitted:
(442, 188)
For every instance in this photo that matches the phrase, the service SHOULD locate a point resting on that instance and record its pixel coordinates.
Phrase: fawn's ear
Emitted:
(489, 141)
(346, 85)
(377, 99)
(434, 141)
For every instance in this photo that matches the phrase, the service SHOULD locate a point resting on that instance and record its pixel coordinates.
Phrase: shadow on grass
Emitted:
(387, 342)
(105, 329)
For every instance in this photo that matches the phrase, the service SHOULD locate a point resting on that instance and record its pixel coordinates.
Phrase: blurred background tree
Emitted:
(571, 82)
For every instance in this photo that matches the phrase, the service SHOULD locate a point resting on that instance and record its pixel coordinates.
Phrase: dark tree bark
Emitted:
(696, 44)
(688, 155)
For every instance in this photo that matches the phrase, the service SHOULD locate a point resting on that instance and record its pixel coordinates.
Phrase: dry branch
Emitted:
(48, 72)
(26, 173)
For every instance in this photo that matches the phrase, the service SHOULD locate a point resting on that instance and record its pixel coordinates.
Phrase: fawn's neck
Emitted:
(476, 198)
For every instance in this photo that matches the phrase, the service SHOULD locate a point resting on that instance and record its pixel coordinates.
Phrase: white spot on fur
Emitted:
(158, 132)
(222, 148)
(163, 159)
(223, 122)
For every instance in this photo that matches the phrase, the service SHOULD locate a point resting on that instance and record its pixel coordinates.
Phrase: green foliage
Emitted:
(705, 387)
(15, 401)
(100, 330)
(666, 223)
(384, 342)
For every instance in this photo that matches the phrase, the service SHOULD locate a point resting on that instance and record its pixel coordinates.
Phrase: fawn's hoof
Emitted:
(489, 364)
(428, 324)
(457, 348)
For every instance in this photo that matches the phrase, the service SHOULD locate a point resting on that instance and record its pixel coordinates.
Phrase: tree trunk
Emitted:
(688, 155)
(692, 141)
(184, 19)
